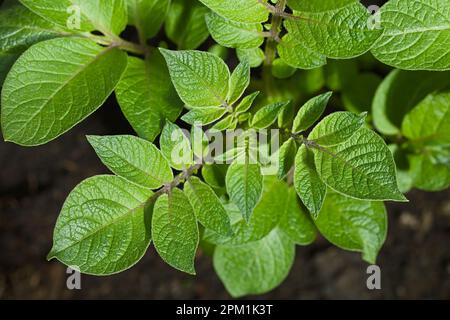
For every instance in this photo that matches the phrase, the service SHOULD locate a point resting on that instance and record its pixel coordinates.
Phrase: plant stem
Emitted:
(118, 42)
(271, 45)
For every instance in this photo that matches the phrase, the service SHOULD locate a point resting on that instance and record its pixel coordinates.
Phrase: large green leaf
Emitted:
(244, 183)
(176, 147)
(340, 30)
(147, 15)
(185, 25)
(307, 182)
(396, 96)
(146, 95)
(429, 121)
(234, 34)
(310, 112)
(20, 28)
(134, 159)
(354, 225)
(416, 34)
(362, 167)
(337, 128)
(246, 11)
(103, 228)
(107, 16)
(207, 206)
(295, 222)
(201, 78)
(175, 231)
(255, 267)
(56, 84)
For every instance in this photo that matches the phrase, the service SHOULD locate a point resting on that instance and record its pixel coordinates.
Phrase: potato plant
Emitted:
(186, 73)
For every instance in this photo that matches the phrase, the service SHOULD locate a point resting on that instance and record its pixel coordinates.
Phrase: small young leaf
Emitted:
(102, 228)
(246, 11)
(107, 16)
(175, 231)
(307, 182)
(429, 121)
(134, 159)
(239, 81)
(310, 112)
(207, 206)
(185, 25)
(353, 224)
(244, 184)
(255, 267)
(54, 85)
(416, 34)
(254, 56)
(201, 78)
(204, 116)
(362, 167)
(176, 147)
(20, 28)
(246, 103)
(337, 128)
(286, 157)
(233, 34)
(147, 15)
(146, 95)
(227, 123)
(295, 222)
(267, 115)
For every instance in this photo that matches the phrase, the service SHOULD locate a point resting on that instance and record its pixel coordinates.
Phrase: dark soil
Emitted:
(415, 261)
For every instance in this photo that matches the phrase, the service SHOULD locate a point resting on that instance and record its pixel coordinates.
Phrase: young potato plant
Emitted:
(292, 169)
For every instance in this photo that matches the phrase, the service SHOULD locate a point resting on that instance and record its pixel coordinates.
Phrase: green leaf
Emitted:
(264, 219)
(310, 112)
(102, 228)
(317, 6)
(307, 182)
(295, 222)
(336, 30)
(337, 128)
(293, 51)
(357, 97)
(428, 175)
(282, 70)
(200, 78)
(353, 225)
(362, 167)
(207, 206)
(227, 123)
(267, 115)
(175, 231)
(256, 267)
(107, 16)
(233, 34)
(55, 85)
(286, 156)
(20, 28)
(146, 95)
(176, 147)
(254, 56)
(147, 15)
(246, 11)
(246, 103)
(396, 96)
(134, 159)
(416, 34)
(244, 184)
(204, 116)
(185, 25)
(429, 121)
(239, 81)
